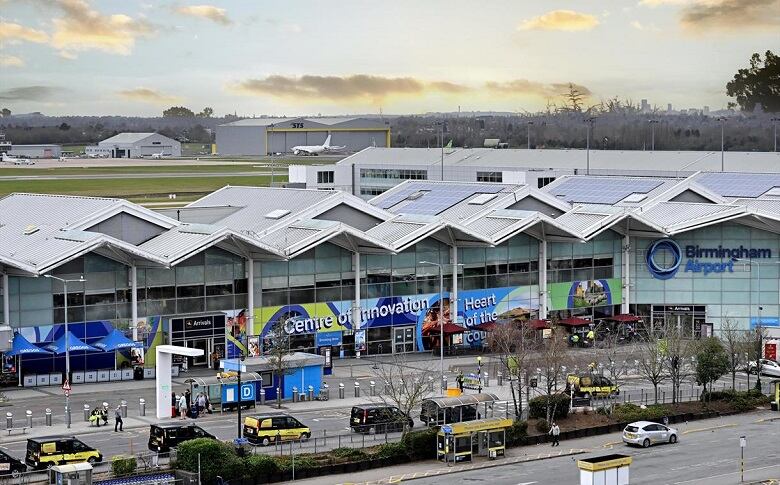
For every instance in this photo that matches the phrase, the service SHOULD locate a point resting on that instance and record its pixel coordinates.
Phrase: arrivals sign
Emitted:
(698, 259)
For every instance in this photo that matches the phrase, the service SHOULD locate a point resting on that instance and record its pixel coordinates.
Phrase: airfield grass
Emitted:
(153, 169)
(137, 189)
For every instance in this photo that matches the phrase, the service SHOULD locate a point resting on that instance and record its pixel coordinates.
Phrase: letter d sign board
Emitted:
(229, 392)
(248, 392)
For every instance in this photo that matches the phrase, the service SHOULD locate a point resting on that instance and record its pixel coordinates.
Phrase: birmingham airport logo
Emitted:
(660, 269)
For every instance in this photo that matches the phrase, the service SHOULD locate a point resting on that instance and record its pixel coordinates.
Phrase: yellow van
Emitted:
(59, 450)
(264, 429)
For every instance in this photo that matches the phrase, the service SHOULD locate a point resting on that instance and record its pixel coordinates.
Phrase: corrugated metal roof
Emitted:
(579, 222)
(394, 230)
(174, 241)
(667, 214)
(491, 225)
(287, 236)
(128, 138)
(260, 121)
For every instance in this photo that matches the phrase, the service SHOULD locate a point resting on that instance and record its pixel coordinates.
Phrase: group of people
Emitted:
(100, 414)
(182, 405)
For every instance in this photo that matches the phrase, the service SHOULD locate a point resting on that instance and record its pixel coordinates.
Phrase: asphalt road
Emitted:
(708, 453)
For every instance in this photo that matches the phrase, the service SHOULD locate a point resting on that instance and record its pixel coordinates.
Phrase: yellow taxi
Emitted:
(591, 385)
(59, 450)
(264, 429)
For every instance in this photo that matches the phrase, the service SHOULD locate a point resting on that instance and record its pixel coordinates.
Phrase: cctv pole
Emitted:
(67, 355)
(239, 396)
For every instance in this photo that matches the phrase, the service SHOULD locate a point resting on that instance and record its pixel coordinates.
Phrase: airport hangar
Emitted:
(338, 271)
(135, 145)
(263, 136)
(373, 171)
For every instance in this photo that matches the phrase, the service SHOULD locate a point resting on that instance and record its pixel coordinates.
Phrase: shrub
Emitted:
(123, 465)
(390, 450)
(420, 444)
(302, 462)
(216, 459)
(631, 412)
(537, 407)
(351, 453)
(543, 426)
(516, 432)
(260, 465)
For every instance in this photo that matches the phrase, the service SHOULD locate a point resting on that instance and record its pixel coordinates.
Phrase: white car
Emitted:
(769, 368)
(646, 433)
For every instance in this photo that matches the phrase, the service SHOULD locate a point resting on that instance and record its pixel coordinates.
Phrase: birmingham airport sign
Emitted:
(663, 270)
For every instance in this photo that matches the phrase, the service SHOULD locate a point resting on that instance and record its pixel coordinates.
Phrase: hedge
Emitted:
(421, 444)
(123, 465)
(629, 413)
(390, 450)
(741, 400)
(537, 407)
(216, 459)
(260, 465)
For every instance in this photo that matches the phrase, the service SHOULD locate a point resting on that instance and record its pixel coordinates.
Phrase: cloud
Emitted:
(730, 15)
(10, 61)
(526, 87)
(643, 27)
(209, 12)
(146, 95)
(658, 3)
(342, 88)
(11, 32)
(82, 28)
(28, 93)
(567, 20)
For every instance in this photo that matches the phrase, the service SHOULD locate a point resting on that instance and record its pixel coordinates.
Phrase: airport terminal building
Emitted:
(342, 274)
(263, 136)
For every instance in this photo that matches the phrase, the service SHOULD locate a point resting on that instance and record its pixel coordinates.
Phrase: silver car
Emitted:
(645, 433)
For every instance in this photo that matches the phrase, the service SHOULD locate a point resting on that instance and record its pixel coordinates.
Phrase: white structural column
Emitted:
(163, 375)
(542, 279)
(626, 279)
(356, 323)
(134, 301)
(454, 300)
(250, 297)
(6, 301)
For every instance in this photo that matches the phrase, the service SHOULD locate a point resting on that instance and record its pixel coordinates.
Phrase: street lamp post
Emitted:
(652, 127)
(441, 144)
(67, 341)
(774, 125)
(528, 133)
(722, 149)
(589, 121)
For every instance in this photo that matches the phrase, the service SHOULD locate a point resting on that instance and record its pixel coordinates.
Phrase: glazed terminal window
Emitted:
(325, 177)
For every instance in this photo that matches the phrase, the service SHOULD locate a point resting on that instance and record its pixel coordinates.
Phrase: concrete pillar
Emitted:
(356, 323)
(250, 298)
(626, 267)
(542, 279)
(6, 301)
(454, 303)
(134, 301)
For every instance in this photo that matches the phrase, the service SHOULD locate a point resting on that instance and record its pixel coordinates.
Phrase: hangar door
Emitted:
(283, 141)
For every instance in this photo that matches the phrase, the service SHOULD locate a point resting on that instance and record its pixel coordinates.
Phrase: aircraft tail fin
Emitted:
(327, 142)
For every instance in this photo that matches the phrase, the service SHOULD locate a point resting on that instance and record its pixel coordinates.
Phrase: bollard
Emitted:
(86, 412)
(487, 379)
(29, 418)
(48, 417)
(372, 388)
(295, 393)
(123, 408)
(357, 389)
(430, 383)
(500, 378)
(9, 420)
(444, 382)
(262, 396)
(325, 391)
(278, 396)
(142, 406)
(341, 390)
(310, 397)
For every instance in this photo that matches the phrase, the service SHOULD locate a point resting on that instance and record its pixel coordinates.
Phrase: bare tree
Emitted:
(616, 364)
(677, 350)
(650, 363)
(573, 98)
(513, 344)
(277, 350)
(551, 362)
(754, 341)
(405, 386)
(733, 340)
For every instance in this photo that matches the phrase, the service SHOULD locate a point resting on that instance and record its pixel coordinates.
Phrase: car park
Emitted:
(378, 418)
(47, 451)
(10, 465)
(264, 429)
(646, 433)
(163, 437)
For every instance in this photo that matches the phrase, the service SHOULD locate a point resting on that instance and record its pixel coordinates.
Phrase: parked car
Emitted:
(59, 450)
(768, 368)
(646, 433)
(163, 437)
(10, 465)
(378, 418)
(264, 429)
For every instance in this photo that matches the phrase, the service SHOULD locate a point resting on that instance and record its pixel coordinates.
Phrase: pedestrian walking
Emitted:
(555, 432)
(118, 419)
(183, 407)
(202, 402)
(188, 398)
(104, 413)
(174, 404)
(208, 403)
(459, 380)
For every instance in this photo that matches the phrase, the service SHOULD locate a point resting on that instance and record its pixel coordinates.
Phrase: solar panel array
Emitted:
(601, 190)
(436, 199)
(739, 184)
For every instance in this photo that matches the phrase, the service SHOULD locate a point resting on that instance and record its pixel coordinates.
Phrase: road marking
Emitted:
(711, 428)
(766, 420)
(727, 474)
(611, 444)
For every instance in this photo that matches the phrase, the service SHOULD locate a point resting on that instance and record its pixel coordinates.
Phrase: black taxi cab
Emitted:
(48, 451)
(264, 429)
(163, 437)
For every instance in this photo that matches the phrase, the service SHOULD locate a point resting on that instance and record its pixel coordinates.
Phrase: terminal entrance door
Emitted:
(202, 360)
(403, 340)
(690, 319)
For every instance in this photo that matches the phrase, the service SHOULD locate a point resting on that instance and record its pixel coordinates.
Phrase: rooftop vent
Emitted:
(482, 199)
(31, 229)
(417, 195)
(635, 197)
(773, 192)
(277, 214)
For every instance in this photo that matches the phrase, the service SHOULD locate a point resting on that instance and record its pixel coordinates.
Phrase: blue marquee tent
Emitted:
(75, 344)
(116, 340)
(22, 346)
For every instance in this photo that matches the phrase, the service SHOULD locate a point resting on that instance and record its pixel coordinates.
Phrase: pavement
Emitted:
(708, 453)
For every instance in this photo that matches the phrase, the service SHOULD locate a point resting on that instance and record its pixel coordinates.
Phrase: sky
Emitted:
(308, 57)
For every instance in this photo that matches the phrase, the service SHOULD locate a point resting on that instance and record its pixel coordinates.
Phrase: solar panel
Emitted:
(601, 190)
(437, 198)
(739, 184)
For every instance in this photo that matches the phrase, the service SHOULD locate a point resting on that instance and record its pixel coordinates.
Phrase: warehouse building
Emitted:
(136, 145)
(375, 170)
(36, 151)
(263, 136)
(343, 275)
